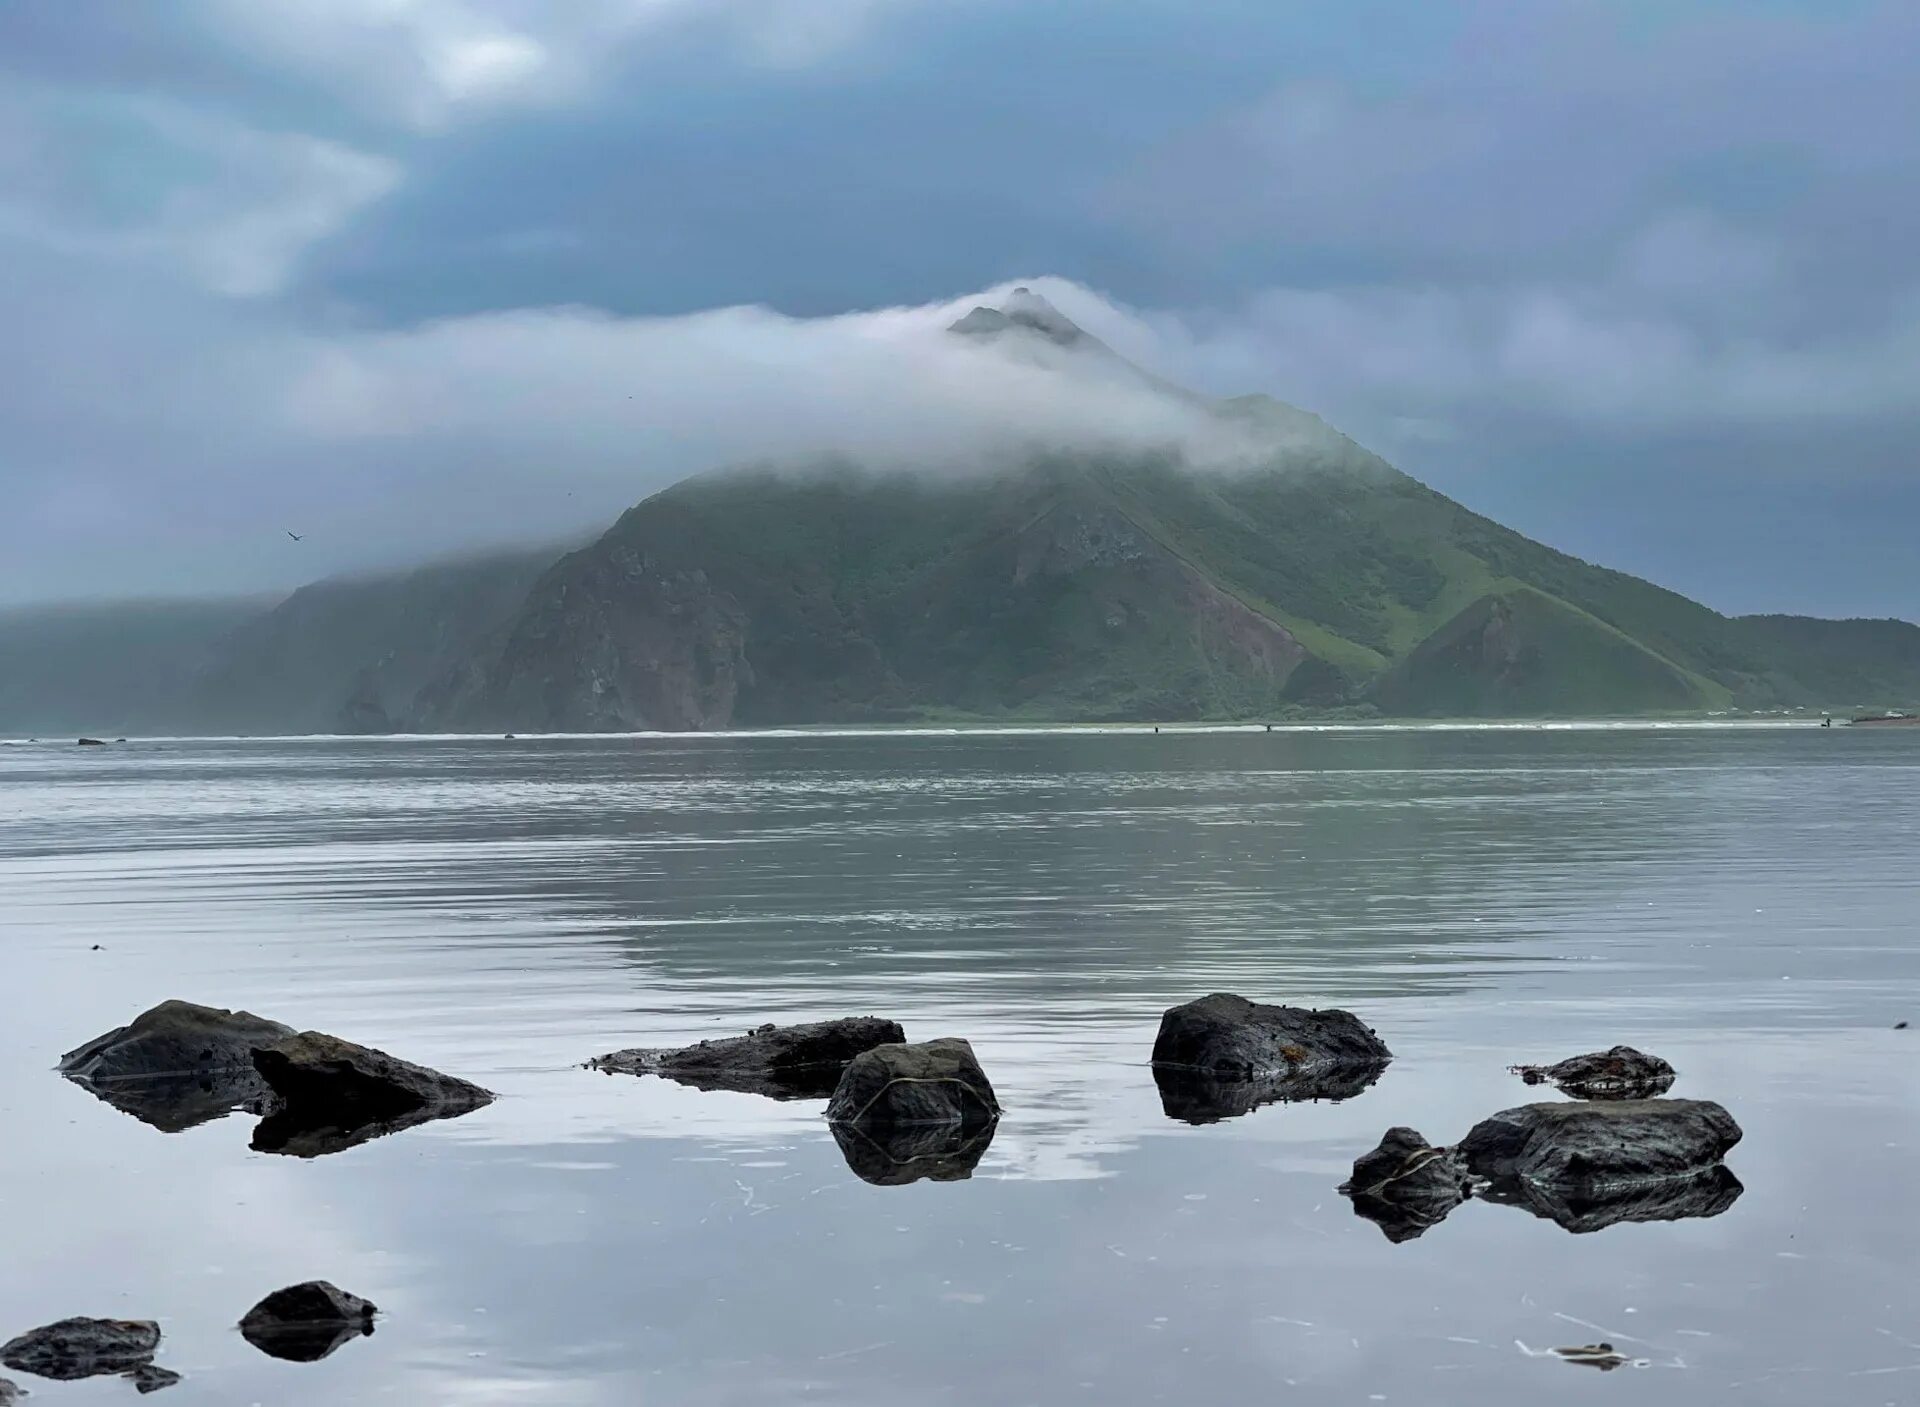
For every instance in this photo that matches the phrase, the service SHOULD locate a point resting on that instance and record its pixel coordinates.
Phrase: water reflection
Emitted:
(894, 1157)
(1707, 1194)
(1194, 1097)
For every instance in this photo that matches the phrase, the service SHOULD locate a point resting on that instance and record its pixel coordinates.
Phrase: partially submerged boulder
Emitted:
(304, 1323)
(1619, 1073)
(782, 1062)
(1406, 1186)
(1598, 1146)
(1229, 1037)
(151, 1377)
(178, 1064)
(894, 1157)
(1193, 1097)
(83, 1348)
(10, 1392)
(933, 1082)
(336, 1094)
(1589, 1209)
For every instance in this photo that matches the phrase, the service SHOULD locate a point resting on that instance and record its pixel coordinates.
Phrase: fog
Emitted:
(381, 447)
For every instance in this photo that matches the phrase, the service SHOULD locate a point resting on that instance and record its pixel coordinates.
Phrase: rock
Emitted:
(91, 742)
(782, 1062)
(178, 1064)
(151, 1377)
(1230, 1037)
(894, 1157)
(1619, 1073)
(1407, 1186)
(1899, 1025)
(934, 1082)
(1594, 1355)
(10, 1392)
(324, 1074)
(1582, 1211)
(306, 1322)
(1196, 1098)
(83, 1348)
(1597, 1146)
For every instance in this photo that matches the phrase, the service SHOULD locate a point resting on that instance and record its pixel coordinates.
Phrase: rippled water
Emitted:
(1744, 901)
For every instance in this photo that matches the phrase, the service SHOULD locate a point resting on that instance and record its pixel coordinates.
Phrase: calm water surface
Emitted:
(1744, 901)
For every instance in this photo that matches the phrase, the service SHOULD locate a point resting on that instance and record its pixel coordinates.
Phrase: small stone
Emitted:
(934, 1082)
(1230, 1037)
(304, 1323)
(1619, 1073)
(83, 1348)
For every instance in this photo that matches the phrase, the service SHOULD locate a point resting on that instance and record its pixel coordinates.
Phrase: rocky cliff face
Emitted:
(609, 641)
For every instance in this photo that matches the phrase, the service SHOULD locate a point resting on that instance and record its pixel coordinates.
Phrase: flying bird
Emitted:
(295, 536)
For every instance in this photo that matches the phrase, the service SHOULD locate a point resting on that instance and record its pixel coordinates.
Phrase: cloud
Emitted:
(181, 192)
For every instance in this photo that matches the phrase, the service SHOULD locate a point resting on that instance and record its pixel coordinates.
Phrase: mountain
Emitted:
(109, 667)
(349, 655)
(1299, 572)
(1119, 585)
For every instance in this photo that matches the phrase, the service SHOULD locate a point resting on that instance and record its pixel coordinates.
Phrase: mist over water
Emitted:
(1739, 900)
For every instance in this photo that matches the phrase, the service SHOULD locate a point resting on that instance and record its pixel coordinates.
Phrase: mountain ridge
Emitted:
(1305, 572)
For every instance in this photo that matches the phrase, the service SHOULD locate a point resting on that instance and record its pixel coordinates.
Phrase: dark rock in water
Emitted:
(1604, 1145)
(151, 1377)
(336, 1094)
(934, 1082)
(1230, 1037)
(1581, 1210)
(92, 742)
(306, 1322)
(10, 1392)
(1406, 1185)
(1899, 1025)
(782, 1062)
(1619, 1073)
(178, 1064)
(1194, 1097)
(1594, 1355)
(893, 1157)
(83, 1348)
(317, 1071)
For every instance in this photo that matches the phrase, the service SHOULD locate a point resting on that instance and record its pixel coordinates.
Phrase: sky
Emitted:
(407, 277)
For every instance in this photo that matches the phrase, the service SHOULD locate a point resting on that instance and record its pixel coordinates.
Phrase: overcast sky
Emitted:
(406, 276)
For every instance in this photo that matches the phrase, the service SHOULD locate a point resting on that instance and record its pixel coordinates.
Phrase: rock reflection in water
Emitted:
(893, 1157)
(1584, 1209)
(1192, 1097)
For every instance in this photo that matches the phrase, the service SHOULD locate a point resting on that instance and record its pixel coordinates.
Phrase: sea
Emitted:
(1742, 900)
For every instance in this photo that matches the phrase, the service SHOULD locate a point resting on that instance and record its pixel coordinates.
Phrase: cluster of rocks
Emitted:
(900, 1111)
(301, 1323)
(1620, 1153)
(180, 1064)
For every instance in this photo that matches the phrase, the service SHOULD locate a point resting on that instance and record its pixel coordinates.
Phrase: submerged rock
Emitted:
(782, 1062)
(336, 1094)
(10, 1392)
(933, 1082)
(1584, 1210)
(894, 1157)
(151, 1377)
(1593, 1355)
(1194, 1097)
(1584, 1147)
(1407, 1186)
(178, 1064)
(306, 1322)
(83, 1348)
(1230, 1037)
(1619, 1073)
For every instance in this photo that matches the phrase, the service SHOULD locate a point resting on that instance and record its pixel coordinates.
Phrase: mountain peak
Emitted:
(1025, 310)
